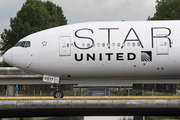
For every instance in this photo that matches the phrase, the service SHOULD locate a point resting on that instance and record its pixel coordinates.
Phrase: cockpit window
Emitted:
(28, 44)
(18, 44)
(23, 44)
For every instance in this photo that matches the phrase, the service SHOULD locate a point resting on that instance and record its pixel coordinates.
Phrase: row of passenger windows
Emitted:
(113, 44)
(23, 44)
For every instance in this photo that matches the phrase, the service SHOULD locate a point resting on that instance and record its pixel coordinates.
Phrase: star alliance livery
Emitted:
(101, 51)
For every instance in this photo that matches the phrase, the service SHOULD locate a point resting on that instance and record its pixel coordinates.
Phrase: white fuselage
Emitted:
(98, 50)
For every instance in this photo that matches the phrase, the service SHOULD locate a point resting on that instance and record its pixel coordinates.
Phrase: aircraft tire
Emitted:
(58, 94)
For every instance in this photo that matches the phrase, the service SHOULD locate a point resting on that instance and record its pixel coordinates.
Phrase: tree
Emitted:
(167, 10)
(34, 16)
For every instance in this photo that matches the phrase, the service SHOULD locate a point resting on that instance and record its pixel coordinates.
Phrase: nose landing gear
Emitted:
(58, 93)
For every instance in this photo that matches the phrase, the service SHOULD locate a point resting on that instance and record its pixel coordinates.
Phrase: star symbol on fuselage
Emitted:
(44, 43)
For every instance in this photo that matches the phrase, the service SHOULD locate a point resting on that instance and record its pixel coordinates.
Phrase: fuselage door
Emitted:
(64, 45)
(162, 46)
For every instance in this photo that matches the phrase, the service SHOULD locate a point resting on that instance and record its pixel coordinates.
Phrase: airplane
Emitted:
(101, 51)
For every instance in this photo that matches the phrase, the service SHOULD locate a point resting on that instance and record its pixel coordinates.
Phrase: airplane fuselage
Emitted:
(98, 50)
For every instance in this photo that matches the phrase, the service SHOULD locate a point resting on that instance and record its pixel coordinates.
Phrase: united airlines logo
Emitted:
(146, 56)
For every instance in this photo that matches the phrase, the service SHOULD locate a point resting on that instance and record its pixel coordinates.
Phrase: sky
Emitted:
(77, 11)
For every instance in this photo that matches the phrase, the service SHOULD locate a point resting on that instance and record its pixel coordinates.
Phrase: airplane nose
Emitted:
(7, 57)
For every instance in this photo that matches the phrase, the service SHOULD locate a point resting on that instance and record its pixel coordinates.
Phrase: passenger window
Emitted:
(133, 44)
(83, 45)
(128, 44)
(88, 45)
(67, 45)
(22, 44)
(164, 43)
(113, 44)
(98, 45)
(118, 44)
(28, 44)
(103, 44)
(93, 45)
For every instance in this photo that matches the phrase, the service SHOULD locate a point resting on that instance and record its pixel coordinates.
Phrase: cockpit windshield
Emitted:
(18, 44)
(28, 44)
(23, 44)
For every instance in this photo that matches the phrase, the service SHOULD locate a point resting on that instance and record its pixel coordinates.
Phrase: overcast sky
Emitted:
(87, 10)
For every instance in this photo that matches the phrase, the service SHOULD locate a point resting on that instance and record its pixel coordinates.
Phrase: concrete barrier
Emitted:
(59, 107)
(87, 104)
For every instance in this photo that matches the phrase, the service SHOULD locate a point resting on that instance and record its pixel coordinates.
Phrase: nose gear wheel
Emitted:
(58, 94)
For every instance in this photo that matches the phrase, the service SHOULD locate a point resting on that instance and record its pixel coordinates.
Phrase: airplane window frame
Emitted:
(17, 44)
(68, 45)
(23, 43)
(29, 45)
